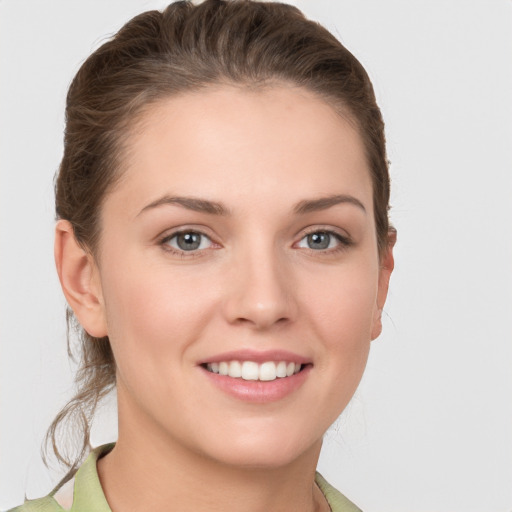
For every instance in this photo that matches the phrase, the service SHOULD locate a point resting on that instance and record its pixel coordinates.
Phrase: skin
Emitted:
(255, 283)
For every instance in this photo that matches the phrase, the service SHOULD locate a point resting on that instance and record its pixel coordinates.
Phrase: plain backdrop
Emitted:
(430, 428)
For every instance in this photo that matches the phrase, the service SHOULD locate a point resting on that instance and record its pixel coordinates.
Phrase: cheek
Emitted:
(345, 299)
(152, 321)
(343, 309)
(340, 312)
(152, 312)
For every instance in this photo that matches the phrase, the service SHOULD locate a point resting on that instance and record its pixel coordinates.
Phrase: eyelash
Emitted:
(164, 243)
(343, 242)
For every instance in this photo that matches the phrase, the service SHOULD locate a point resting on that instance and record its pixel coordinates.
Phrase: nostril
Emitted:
(261, 322)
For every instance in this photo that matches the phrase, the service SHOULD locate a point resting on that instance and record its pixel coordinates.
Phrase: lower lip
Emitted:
(259, 391)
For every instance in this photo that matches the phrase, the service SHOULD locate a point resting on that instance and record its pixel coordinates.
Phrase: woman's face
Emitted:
(240, 239)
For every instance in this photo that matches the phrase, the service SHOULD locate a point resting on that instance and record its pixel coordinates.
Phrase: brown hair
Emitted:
(159, 54)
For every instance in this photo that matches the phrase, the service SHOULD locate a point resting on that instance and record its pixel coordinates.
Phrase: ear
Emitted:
(80, 280)
(387, 265)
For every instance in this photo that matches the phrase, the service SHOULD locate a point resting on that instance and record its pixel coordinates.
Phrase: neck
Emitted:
(152, 472)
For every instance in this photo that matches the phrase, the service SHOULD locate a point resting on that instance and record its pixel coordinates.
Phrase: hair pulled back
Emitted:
(160, 54)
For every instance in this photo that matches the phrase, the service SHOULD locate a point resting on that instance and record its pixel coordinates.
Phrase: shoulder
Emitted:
(336, 500)
(81, 494)
(46, 504)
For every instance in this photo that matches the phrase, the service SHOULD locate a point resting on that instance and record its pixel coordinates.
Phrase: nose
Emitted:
(261, 291)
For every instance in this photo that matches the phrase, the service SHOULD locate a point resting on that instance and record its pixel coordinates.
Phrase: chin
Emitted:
(263, 450)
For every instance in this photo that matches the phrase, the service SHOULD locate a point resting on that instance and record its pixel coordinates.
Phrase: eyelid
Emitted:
(344, 240)
(319, 228)
(176, 236)
(184, 228)
(163, 239)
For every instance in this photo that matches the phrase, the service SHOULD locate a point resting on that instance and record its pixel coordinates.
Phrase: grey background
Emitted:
(431, 425)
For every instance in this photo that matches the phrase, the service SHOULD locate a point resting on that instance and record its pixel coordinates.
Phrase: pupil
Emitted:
(189, 241)
(319, 240)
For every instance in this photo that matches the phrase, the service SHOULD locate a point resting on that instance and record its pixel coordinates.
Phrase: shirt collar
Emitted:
(87, 492)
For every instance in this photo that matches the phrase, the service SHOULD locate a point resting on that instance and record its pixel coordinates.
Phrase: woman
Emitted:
(223, 242)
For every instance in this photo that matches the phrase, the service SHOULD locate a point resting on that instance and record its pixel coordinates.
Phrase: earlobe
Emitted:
(387, 266)
(79, 279)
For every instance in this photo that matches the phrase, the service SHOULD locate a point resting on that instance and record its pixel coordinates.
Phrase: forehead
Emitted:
(255, 142)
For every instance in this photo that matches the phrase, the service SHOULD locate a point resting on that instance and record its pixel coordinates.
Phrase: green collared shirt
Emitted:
(88, 495)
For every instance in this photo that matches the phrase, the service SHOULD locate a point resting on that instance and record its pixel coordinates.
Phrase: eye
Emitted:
(321, 241)
(188, 241)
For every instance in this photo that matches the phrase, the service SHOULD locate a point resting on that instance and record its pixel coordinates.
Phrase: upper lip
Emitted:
(257, 356)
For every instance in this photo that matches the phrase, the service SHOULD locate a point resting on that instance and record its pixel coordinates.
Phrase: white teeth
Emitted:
(268, 371)
(249, 370)
(281, 369)
(235, 369)
(223, 368)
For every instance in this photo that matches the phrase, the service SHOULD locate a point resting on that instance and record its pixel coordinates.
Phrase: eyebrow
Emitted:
(215, 208)
(191, 203)
(323, 203)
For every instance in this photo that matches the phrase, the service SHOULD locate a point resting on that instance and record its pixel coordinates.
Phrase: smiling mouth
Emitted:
(250, 370)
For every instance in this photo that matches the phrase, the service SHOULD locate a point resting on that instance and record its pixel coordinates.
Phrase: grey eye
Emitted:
(319, 240)
(189, 241)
